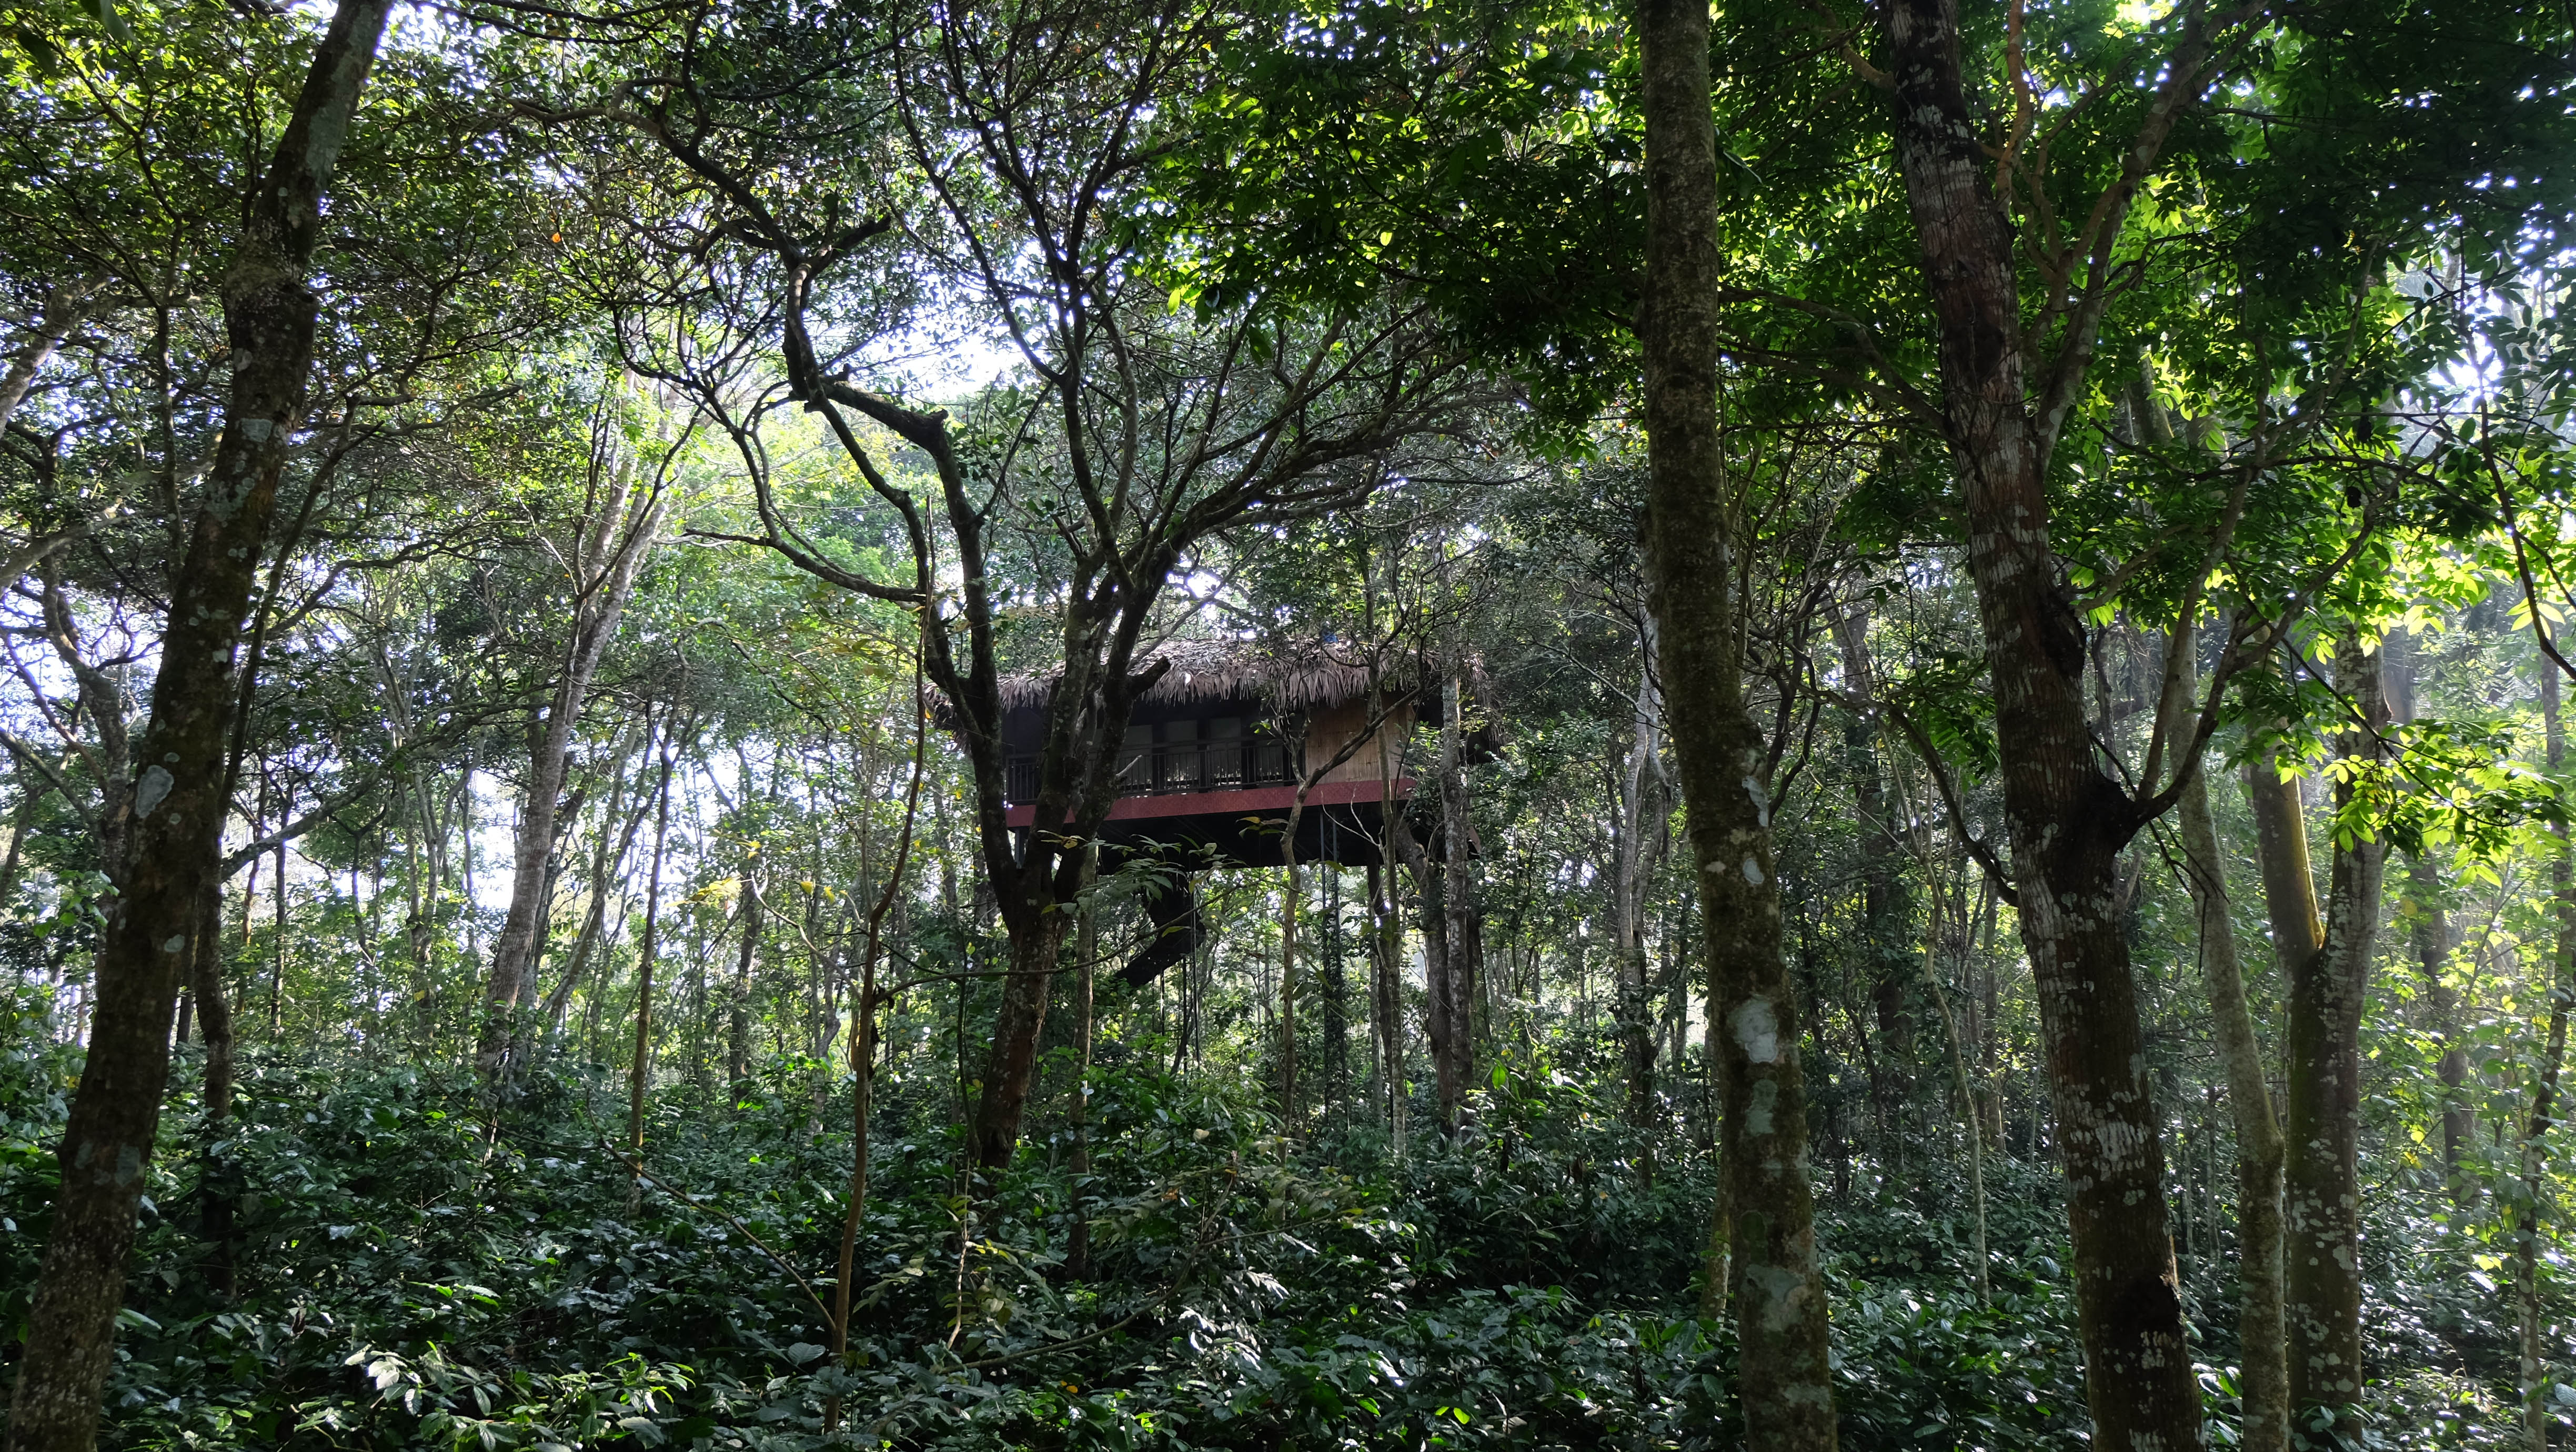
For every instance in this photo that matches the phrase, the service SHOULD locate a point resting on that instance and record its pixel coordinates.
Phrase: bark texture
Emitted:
(218, 1178)
(2281, 846)
(1462, 919)
(2264, 1378)
(2066, 820)
(1783, 1378)
(1645, 807)
(2321, 1193)
(1439, 969)
(1003, 1097)
(175, 845)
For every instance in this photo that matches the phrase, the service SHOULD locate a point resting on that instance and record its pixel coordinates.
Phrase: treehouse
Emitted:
(1217, 750)
(1217, 754)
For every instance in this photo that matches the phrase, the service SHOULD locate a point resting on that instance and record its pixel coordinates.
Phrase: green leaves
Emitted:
(1473, 154)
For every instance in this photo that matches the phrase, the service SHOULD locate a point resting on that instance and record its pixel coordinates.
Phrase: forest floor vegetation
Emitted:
(412, 1269)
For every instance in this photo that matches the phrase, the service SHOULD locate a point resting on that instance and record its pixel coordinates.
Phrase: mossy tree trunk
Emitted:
(2264, 1376)
(176, 808)
(2321, 1191)
(2003, 405)
(1784, 1379)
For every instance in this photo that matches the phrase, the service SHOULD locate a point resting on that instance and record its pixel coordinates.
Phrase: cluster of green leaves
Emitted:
(1474, 153)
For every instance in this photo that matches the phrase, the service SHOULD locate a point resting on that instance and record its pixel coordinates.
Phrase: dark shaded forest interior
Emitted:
(1168, 724)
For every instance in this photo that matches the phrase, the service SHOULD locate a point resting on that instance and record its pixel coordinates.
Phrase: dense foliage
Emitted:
(725, 420)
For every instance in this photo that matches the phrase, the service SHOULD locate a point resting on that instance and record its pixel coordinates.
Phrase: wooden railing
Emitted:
(1175, 769)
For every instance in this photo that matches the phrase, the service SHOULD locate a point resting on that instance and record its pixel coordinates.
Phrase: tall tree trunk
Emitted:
(1783, 1379)
(277, 969)
(613, 539)
(2264, 1379)
(2066, 819)
(1292, 891)
(1430, 884)
(2281, 848)
(1462, 921)
(2532, 1382)
(863, 1038)
(218, 1181)
(22, 817)
(214, 1004)
(1386, 996)
(1031, 956)
(738, 1001)
(1887, 911)
(176, 842)
(2431, 934)
(607, 877)
(1385, 931)
(2531, 1194)
(1638, 848)
(2321, 1192)
(1033, 877)
(639, 1075)
(1964, 1085)
(2429, 929)
(1335, 995)
(1086, 947)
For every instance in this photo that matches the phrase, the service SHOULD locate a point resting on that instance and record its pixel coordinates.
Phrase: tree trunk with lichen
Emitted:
(218, 1178)
(2321, 1189)
(1634, 855)
(2264, 1377)
(175, 847)
(1463, 920)
(2066, 820)
(1784, 1379)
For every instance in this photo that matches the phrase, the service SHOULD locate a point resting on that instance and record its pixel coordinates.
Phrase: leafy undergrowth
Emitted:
(410, 1271)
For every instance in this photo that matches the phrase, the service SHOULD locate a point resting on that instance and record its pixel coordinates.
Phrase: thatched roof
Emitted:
(1297, 677)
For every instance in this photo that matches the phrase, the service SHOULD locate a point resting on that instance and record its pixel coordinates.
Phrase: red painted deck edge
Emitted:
(1232, 804)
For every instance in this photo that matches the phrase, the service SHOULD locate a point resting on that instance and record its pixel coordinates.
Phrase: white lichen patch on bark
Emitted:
(1757, 1030)
(152, 790)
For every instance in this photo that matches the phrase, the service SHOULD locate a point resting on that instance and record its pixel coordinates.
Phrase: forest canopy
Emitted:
(1174, 724)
